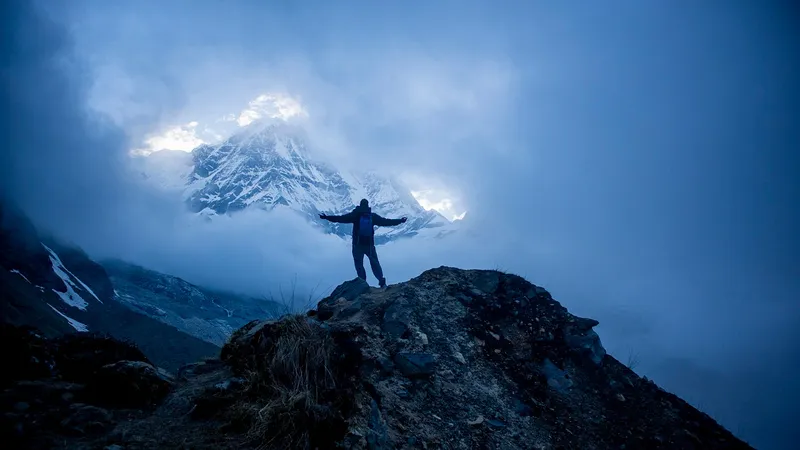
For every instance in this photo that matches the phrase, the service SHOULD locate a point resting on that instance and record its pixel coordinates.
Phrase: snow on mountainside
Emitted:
(70, 297)
(58, 289)
(268, 164)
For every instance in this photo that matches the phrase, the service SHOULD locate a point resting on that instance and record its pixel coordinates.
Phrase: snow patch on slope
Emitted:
(69, 297)
(20, 274)
(85, 287)
(74, 323)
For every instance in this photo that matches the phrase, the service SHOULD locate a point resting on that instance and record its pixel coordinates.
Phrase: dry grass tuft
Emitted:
(296, 390)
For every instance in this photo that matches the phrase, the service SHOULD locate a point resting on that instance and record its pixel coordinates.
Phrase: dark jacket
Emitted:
(354, 216)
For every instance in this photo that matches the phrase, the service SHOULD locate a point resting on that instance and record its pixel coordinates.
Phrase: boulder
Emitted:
(350, 290)
(248, 342)
(130, 384)
(414, 365)
(346, 292)
(395, 321)
(79, 356)
(87, 419)
(581, 338)
(582, 324)
(556, 378)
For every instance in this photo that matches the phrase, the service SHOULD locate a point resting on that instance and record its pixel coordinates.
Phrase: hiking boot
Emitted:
(383, 282)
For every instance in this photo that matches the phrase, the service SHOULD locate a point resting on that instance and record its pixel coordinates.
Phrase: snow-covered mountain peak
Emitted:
(266, 131)
(269, 164)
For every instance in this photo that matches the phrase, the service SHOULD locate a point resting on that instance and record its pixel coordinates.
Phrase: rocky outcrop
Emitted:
(452, 359)
(79, 357)
(464, 359)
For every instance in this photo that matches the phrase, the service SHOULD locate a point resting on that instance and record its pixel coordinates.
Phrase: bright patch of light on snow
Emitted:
(181, 137)
(69, 297)
(434, 200)
(273, 106)
(20, 274)
(74, 323)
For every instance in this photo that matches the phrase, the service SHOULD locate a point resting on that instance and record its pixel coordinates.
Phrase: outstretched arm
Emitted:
(346, 218)
(384, 222)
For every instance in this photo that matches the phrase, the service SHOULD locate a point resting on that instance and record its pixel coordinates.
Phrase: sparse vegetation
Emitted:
(500, 269)
(291, 302)
(633, 360)
(296, 386)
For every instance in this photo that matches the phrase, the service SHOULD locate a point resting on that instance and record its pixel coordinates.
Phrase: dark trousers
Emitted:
(359, 250)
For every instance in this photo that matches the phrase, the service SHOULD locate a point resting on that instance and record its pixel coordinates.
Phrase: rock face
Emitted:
(471, 359)
(452, 359)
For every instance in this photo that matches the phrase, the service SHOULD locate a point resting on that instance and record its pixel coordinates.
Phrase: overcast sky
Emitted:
(638, 159)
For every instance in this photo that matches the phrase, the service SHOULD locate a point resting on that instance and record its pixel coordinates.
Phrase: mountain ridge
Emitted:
(269, 164)
(210, 315)
(58, 289)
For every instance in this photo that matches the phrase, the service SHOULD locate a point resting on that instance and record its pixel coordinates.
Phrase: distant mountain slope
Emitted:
(209, 315)
(58, 290)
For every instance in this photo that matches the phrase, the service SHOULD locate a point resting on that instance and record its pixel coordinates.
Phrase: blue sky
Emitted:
(638, 159)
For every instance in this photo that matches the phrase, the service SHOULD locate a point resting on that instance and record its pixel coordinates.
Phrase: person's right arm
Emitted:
(346, 218)
(384, 222)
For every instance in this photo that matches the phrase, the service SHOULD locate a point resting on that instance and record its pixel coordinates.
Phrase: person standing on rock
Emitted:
(364, 221)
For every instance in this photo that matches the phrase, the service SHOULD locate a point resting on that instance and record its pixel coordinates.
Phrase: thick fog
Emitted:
(638, 160)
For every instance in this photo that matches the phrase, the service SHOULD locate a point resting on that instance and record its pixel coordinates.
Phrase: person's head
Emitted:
(364, 203)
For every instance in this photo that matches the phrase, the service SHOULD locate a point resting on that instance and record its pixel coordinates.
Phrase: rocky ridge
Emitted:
(450, 359)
